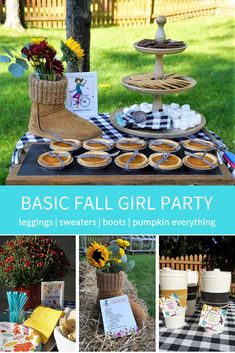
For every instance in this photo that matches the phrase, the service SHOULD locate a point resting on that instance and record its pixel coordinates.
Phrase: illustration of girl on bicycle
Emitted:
(80, 82)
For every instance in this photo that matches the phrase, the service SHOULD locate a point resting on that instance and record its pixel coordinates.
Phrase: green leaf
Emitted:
(5, 59)
(114, 248)
(23, 63)
(16, 70)
(116, 267)
(7, 51)
(124, 258)
(129, 265)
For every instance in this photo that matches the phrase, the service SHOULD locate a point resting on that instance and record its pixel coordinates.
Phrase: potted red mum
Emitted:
(27, 261)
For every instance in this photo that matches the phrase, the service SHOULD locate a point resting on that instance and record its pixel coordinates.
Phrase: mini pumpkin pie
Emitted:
(94, 159)
(165, 161)
(199, 161)
(55, 159)
(98, 144)
(131, 161)
(164, 145)
(198, 145)
(68, 145)
(130, 144)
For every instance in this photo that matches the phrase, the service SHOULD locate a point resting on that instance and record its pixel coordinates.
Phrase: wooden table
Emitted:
(76, 175)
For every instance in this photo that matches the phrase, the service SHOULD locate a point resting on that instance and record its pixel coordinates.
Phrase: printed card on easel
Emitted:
(82, 94)
(213, 318)
(118, 318)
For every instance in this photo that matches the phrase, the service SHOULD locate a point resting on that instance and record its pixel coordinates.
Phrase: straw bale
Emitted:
(91, 331)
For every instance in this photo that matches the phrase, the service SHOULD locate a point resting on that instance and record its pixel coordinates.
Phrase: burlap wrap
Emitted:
(47, 92)
(109, 284)
(110, 281)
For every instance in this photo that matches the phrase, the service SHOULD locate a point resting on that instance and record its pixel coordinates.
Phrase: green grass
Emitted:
(208, 59)
(143, 277)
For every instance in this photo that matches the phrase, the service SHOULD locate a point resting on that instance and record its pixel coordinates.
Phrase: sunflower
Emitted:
(72, 50)
(97, 255)
(75, 47)
(122, 243)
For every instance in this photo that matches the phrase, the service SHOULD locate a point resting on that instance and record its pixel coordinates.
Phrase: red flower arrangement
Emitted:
(27, 261)
(41, 56)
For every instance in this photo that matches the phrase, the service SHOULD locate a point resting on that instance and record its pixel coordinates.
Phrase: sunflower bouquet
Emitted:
(41, 56)
(110, 258)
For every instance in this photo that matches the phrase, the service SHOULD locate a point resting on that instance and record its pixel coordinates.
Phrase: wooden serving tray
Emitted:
(156, 91)
(29, 172)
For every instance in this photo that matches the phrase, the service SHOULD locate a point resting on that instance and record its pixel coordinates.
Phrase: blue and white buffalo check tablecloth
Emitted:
(109, 131)
(192, 338)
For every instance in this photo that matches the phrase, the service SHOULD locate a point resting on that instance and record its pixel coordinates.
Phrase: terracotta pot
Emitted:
(34, 295)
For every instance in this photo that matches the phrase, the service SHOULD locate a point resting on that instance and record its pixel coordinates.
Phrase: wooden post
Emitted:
(78, 23)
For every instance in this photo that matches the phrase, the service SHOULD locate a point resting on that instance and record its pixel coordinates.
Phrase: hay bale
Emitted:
(91, 332)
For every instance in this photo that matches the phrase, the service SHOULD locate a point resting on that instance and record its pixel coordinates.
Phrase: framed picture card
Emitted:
(52, 294)
(82, 95)
(117, 316)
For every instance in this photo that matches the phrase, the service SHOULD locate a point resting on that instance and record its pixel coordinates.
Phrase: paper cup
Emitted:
(215, 289)
(175, 321)
(174, 282)
(192, 292)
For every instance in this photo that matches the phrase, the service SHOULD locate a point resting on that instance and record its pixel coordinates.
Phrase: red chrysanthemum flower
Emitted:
(9, 259)
(9, 269)
(57, 66)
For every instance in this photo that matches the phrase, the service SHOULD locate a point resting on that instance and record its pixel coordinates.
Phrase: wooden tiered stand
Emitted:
(158, 93)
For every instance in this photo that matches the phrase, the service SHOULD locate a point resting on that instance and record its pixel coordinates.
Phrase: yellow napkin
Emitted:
(44, 320)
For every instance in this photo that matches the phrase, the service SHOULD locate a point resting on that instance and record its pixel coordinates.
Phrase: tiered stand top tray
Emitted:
(157, 51)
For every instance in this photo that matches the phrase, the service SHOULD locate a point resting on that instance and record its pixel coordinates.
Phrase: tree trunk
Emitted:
(78, 24)
(13, 14)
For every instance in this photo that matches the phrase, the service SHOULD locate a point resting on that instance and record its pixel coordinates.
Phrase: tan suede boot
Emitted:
(48, 114)
(111, 285)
